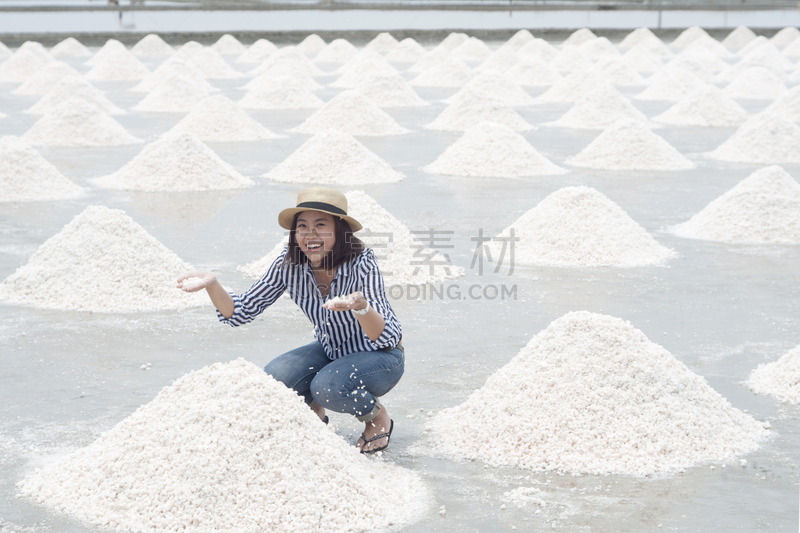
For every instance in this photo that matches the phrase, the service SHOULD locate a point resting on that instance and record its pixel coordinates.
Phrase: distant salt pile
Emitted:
(762, 58)
(707, 60)
(571, 60)
(258, 52)
(110, 50)
(630, 145)
(176, 94)
(493, 85)
(473, 49)
(406, 51)
(756, 83)
(792, 51)
(599, 49)
(201, 428)
(489, 149)
(787, 106)
(780, 379)
(606, 400)
(388, 90)
(449, 72)
(179, 162)
(519, 39)
(572, 88)
(432, 59)
(26, 176)
(20, 66)
(752, 45)
(190, 49)
(76, 122)
(707, 106)
(500, 61)
(334, 157)
(352, 113)
(382, 43)
(117, 64)
(670, 84)
(739, 37)
(312, 45)
(152, 45)
(37, 49)
(711, 47)
(453, 40)
(538, 48)
(5, 52)
(280, 93)
(101, 261)
(74, 87)
(288, 57)
(280, 72)
(785, 36)
(599, 109)
(228, 45)
(214, 65)
(764, 208)
(618, 73)
(219, 119)
(688, 36)
(647, 42)
(366, 62)
(174, 67)
(44, 78)
(641, 61)
(533, 72)
(70, 47)
(461, 116)
(578, 37)
(764, 139)
(337, 51)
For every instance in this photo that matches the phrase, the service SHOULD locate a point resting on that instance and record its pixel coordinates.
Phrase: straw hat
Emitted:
(319, 199)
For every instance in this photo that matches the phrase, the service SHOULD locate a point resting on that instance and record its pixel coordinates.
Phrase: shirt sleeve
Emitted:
(375, 292)
(263, 293)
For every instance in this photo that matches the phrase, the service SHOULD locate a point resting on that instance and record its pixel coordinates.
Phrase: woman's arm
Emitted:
(208, 281)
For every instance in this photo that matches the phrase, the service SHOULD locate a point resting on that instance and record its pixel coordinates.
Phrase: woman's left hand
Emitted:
(349, 302)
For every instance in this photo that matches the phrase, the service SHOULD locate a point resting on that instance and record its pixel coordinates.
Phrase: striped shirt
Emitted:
(338, 331)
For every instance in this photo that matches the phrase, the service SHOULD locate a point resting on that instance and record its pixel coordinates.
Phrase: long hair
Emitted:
(346, 248)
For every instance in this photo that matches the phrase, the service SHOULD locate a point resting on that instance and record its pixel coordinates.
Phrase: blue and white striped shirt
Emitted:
(339, 332)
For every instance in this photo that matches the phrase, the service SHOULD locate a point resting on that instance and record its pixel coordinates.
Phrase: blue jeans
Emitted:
(350, 384)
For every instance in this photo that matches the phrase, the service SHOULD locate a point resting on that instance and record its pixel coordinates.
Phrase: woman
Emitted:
(357, 355)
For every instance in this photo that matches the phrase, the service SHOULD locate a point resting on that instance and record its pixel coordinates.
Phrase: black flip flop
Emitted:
(376, 437)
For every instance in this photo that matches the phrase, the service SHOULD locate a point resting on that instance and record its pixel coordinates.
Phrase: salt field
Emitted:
(591, 245)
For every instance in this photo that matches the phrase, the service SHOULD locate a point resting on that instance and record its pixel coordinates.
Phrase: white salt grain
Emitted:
(691, 65)
(354, 114)
(780, 378)
(599, 109)
(605, 400)
(787, 106)
(618, 73)
(707, 106)
(764, 138)
(571, 88)
(641, 61)
(26, 176)
(217, 450)
(111, 49)
(334, 157)
(219, 119)
(281, 74)
(764, 208)
(76, 122)
(462, 115)
(579, 227)
(519, 39)
(73, 87)
(191, 284)
(70, 47)
(647, 42)
(101, 261)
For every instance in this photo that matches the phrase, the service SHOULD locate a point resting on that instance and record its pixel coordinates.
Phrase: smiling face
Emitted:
(315, 234)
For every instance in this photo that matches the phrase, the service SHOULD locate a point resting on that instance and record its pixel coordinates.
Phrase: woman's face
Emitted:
(315, 235)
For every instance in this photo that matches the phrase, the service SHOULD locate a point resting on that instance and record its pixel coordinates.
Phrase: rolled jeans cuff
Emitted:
(371, 415)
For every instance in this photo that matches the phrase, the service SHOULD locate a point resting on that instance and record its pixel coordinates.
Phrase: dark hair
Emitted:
(346, 248)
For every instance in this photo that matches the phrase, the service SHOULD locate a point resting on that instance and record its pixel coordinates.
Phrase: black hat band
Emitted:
(322, 206)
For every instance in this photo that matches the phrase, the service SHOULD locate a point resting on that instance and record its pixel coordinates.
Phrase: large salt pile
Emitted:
(580, 227)
(500, 61)
(449, 72)
(670, 84)
(571, 60)
(337, 158)
(689, 35)
(228, 44)
(787, 106)
(214, 65)
(280, 93)
(281, 74)
(647, 42)
(21, 65)
(533, 71)
(179, 162)
(388, 90)
(756, 83)
(77, 122)
(739, 37)
(44, 78)
(101, 261)
(764, 208)
(26, 176)
(591, 394)
(599, 109)
(641, 61)
(519, 39)
(406, 51)
(218, 451)
(578, 37)
(382, 43)
(5, 51)
(337, 51)
(432, 58)
(494, 85)
(473, 49)
(707, 59)
(70, 47)
(152, 45)
(176, 94)
(707, 106)
(785, 36)
(352, 113)
(630, 145)
(538, 48)
(780, 378)
(289, 58)
(462, 115)
(257, 52)
(599, 49)
(571, 88)
(764, 138)
(312, 45)
(117, 63)
(618, 73)
(366, 62)
(174, 66)
(112, 48)
(489, 149)
(74, 87)
(399, 252)
(219, 119)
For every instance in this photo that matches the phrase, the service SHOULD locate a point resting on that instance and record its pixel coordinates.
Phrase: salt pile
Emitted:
(707, 106)
(739, 37)
(489, 149)
(473, 49)
(259, 51)
(233, 424)
(605, 400)
(431, 59)
(756, 83)
(396, 248)
(174, 66)
(382, 43)
(578, 37)
(152, 45)
(5, 52)
(493, 85)
(228, 44)
(25, 176)
(77, 122)
(572, 88)
(500, 61)
(289, 58)
(764, 139)
(334, 157)
(280, 74)
(519, 39)
(618, 73)
(190, 49)
(688, 64)
(312, 45)
(219, 119)
(599, 109)
(44, 78)
(787, 106)
(688, 36)
(111, 49)
(630, 145)
(118, 64)
(352, 113)
(785, 36)
(538, 48)
(101, 261)
(70, 47)
(74, 87)
(20, 66)
(337, 51)
(709, 48)
(280, 93)
(366, 62)
(533, 71)
(707, 60)
(670, 84)
(450, 72)
(388, 90)
(179, 162)
(176, 94)
(571, 60)
(752, 45)
(761, 58)
(641, 61)
(406, 51)
(764, 208)
(599, 49)
(214, 65)
(453, 40)
(647, 42)
(780, 378)
(791, 52)
(460, 116)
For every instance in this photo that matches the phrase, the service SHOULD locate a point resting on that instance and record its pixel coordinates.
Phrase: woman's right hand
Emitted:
(194, 281)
